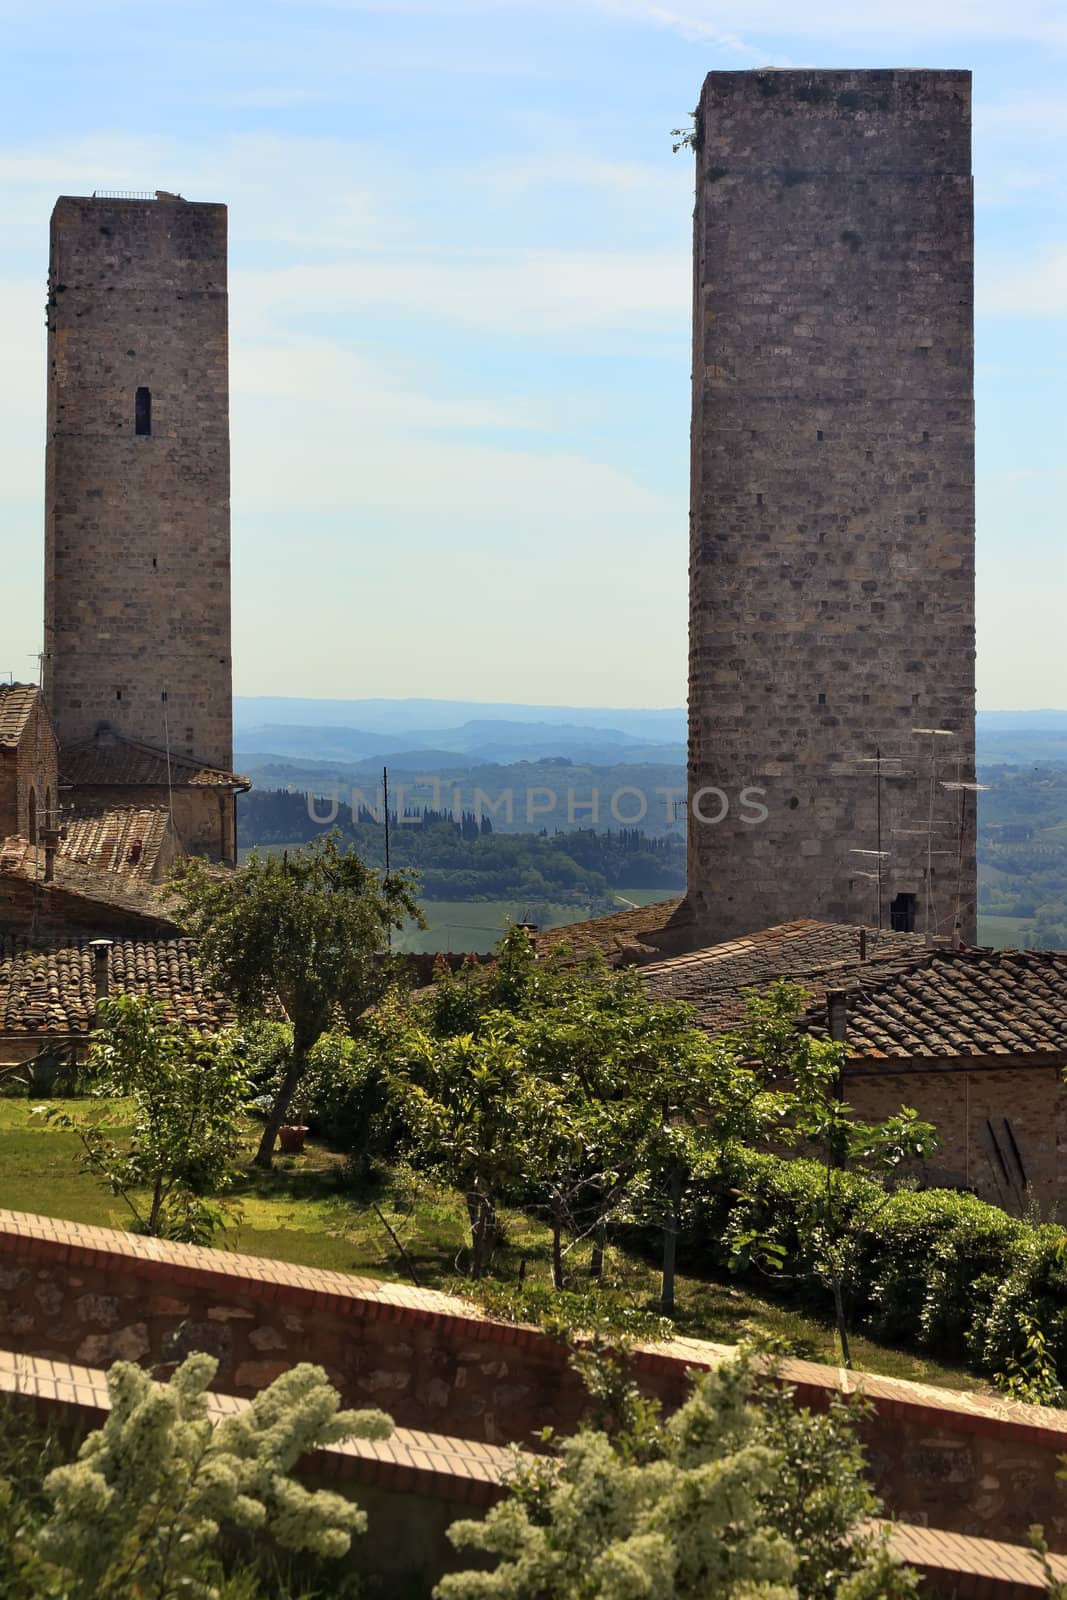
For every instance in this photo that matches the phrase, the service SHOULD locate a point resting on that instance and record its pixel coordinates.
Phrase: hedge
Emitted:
(937, 1269)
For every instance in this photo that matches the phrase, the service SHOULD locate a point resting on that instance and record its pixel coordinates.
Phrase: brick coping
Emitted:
(959, 1564)
(466, 1473)
(56, 1239)
(461, 1470)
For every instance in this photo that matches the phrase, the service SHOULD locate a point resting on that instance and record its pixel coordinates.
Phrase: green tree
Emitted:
(308, 928)
(155, 1492)
(831, 1225)
(188, 1093)
(474, 1113)
(627, 1096)
(732, 1497)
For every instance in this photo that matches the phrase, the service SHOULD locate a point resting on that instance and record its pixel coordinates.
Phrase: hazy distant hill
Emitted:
(470, 744)
(390, 717)
(420, 734)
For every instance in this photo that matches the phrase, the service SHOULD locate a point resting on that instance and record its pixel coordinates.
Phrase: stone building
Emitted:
(832, 527)
(137, 668)
(49, 988)
(29, 761)
(975, 1040)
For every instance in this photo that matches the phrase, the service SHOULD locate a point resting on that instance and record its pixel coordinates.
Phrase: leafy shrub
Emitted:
(739, 1494)
(939, 1270)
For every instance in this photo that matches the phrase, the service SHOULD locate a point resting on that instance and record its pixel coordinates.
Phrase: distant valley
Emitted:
(534, 771)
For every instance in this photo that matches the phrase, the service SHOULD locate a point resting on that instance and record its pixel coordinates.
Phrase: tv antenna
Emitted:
(963, 788)
(933, 734)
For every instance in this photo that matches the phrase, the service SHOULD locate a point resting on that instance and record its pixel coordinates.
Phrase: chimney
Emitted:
(101, 949)
(837, 1015)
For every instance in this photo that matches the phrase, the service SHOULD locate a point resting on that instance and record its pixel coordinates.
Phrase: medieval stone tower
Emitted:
(832, 526)
(137, 542)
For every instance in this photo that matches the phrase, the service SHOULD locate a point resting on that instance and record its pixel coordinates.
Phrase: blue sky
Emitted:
(460, 315)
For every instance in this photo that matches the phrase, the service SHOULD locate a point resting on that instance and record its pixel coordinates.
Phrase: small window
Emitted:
(142, 412)
(902, 913)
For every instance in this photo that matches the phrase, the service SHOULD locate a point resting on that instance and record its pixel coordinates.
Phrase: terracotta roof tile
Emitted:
(122, 839)
(17, 701)
(819, 955)
(611, 935)
(957, 1004)
(108, 760)
(48, 986)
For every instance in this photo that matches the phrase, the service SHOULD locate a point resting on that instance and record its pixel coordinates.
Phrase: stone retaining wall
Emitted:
(954, 1461)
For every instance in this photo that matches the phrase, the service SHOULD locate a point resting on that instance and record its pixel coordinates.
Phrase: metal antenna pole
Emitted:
(934, 735)
(385, 813)
(878, 798)
(963, 789)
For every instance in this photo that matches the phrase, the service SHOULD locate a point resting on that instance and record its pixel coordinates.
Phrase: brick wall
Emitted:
(29, 768)
(52, 909)
(832, 526)
(137, 559)
(1003, 1130)
(958, 1462)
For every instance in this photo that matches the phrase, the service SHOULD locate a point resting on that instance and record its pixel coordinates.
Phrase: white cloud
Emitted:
(525, 293)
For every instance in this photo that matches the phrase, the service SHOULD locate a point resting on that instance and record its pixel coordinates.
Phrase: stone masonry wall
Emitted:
(27, 769)
(832, 522)
(1003, 1132)
(137, 541)
(957, 1462)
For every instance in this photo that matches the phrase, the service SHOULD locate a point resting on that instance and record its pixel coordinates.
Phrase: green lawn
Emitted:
(305, 1212)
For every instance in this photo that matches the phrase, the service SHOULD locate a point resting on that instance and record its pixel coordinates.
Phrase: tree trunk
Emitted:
(670, 1244)
(480, 1212)
(596, 1260)
(264, 1156)
(157, 1206)
(842, 1323)
(557, 1246)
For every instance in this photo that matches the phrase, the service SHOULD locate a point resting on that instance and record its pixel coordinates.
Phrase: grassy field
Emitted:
(460, 925)
(307, 1212)
(1004, 933)
(480, 924)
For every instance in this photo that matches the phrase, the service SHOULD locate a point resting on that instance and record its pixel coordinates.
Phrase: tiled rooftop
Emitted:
(48, 987)
(122, 839)
(958, 1004)
(612, 935)
(818, 955)
(17, 701)
(108, 760)
(91, 883)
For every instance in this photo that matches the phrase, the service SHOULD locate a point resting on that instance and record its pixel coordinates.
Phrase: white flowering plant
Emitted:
(153, 1495)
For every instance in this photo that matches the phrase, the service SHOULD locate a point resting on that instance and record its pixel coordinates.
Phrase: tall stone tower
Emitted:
(137, 541)
(832, 527)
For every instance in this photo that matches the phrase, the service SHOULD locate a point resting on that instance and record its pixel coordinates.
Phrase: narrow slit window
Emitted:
(902, 913)
(142, 412)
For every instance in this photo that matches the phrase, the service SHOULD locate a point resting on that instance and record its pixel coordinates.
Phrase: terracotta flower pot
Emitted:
(291, 1139)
